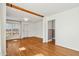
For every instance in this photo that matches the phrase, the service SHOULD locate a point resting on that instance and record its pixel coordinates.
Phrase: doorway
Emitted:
(51, 31)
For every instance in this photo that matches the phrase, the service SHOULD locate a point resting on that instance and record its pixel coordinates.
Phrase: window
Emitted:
(12, 30)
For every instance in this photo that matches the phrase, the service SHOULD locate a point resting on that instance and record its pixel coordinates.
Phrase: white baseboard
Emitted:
(45, 41)
(49, 40)
(67, 47)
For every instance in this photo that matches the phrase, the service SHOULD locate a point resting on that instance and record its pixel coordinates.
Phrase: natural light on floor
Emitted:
(22, 48)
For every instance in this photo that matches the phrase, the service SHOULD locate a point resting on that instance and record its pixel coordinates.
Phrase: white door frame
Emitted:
(45, 29)
(3, 29)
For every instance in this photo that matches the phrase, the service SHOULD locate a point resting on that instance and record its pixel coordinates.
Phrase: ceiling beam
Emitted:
(22, 9)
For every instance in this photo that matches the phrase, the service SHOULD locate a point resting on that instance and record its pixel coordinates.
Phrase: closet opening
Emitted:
(51, 31)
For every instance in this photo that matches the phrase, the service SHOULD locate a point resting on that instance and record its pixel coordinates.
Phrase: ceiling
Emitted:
(45, 9)
(14, 14)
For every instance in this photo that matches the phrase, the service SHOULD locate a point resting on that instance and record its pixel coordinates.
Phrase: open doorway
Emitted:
(51, 30)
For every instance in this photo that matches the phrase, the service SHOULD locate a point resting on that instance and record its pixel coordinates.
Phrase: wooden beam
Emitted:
(22, 9)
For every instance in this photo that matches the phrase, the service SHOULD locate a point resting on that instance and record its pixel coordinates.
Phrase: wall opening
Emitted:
(51, 30)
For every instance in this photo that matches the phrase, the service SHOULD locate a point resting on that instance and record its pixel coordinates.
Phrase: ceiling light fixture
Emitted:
(25, 19)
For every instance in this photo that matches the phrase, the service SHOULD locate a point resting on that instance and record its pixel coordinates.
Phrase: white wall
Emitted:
(2, 29)
(35, 29)
(32, 29)
(24, 32)
(67, 28)
(45, 29)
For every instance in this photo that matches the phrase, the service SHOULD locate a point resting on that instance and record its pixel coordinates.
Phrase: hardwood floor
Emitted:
(35, 47)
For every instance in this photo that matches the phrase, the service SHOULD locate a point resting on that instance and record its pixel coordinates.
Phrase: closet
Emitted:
(51, 30)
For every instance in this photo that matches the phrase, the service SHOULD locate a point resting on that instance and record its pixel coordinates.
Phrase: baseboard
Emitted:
(49, 40)
(14, 39)
(32, 37)
(26, 38)
(67, 47)
(45, 41)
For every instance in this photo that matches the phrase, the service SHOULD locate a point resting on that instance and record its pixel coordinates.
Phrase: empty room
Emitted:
(39, 29)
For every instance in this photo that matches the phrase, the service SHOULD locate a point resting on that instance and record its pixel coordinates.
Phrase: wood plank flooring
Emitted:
(34, 47)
